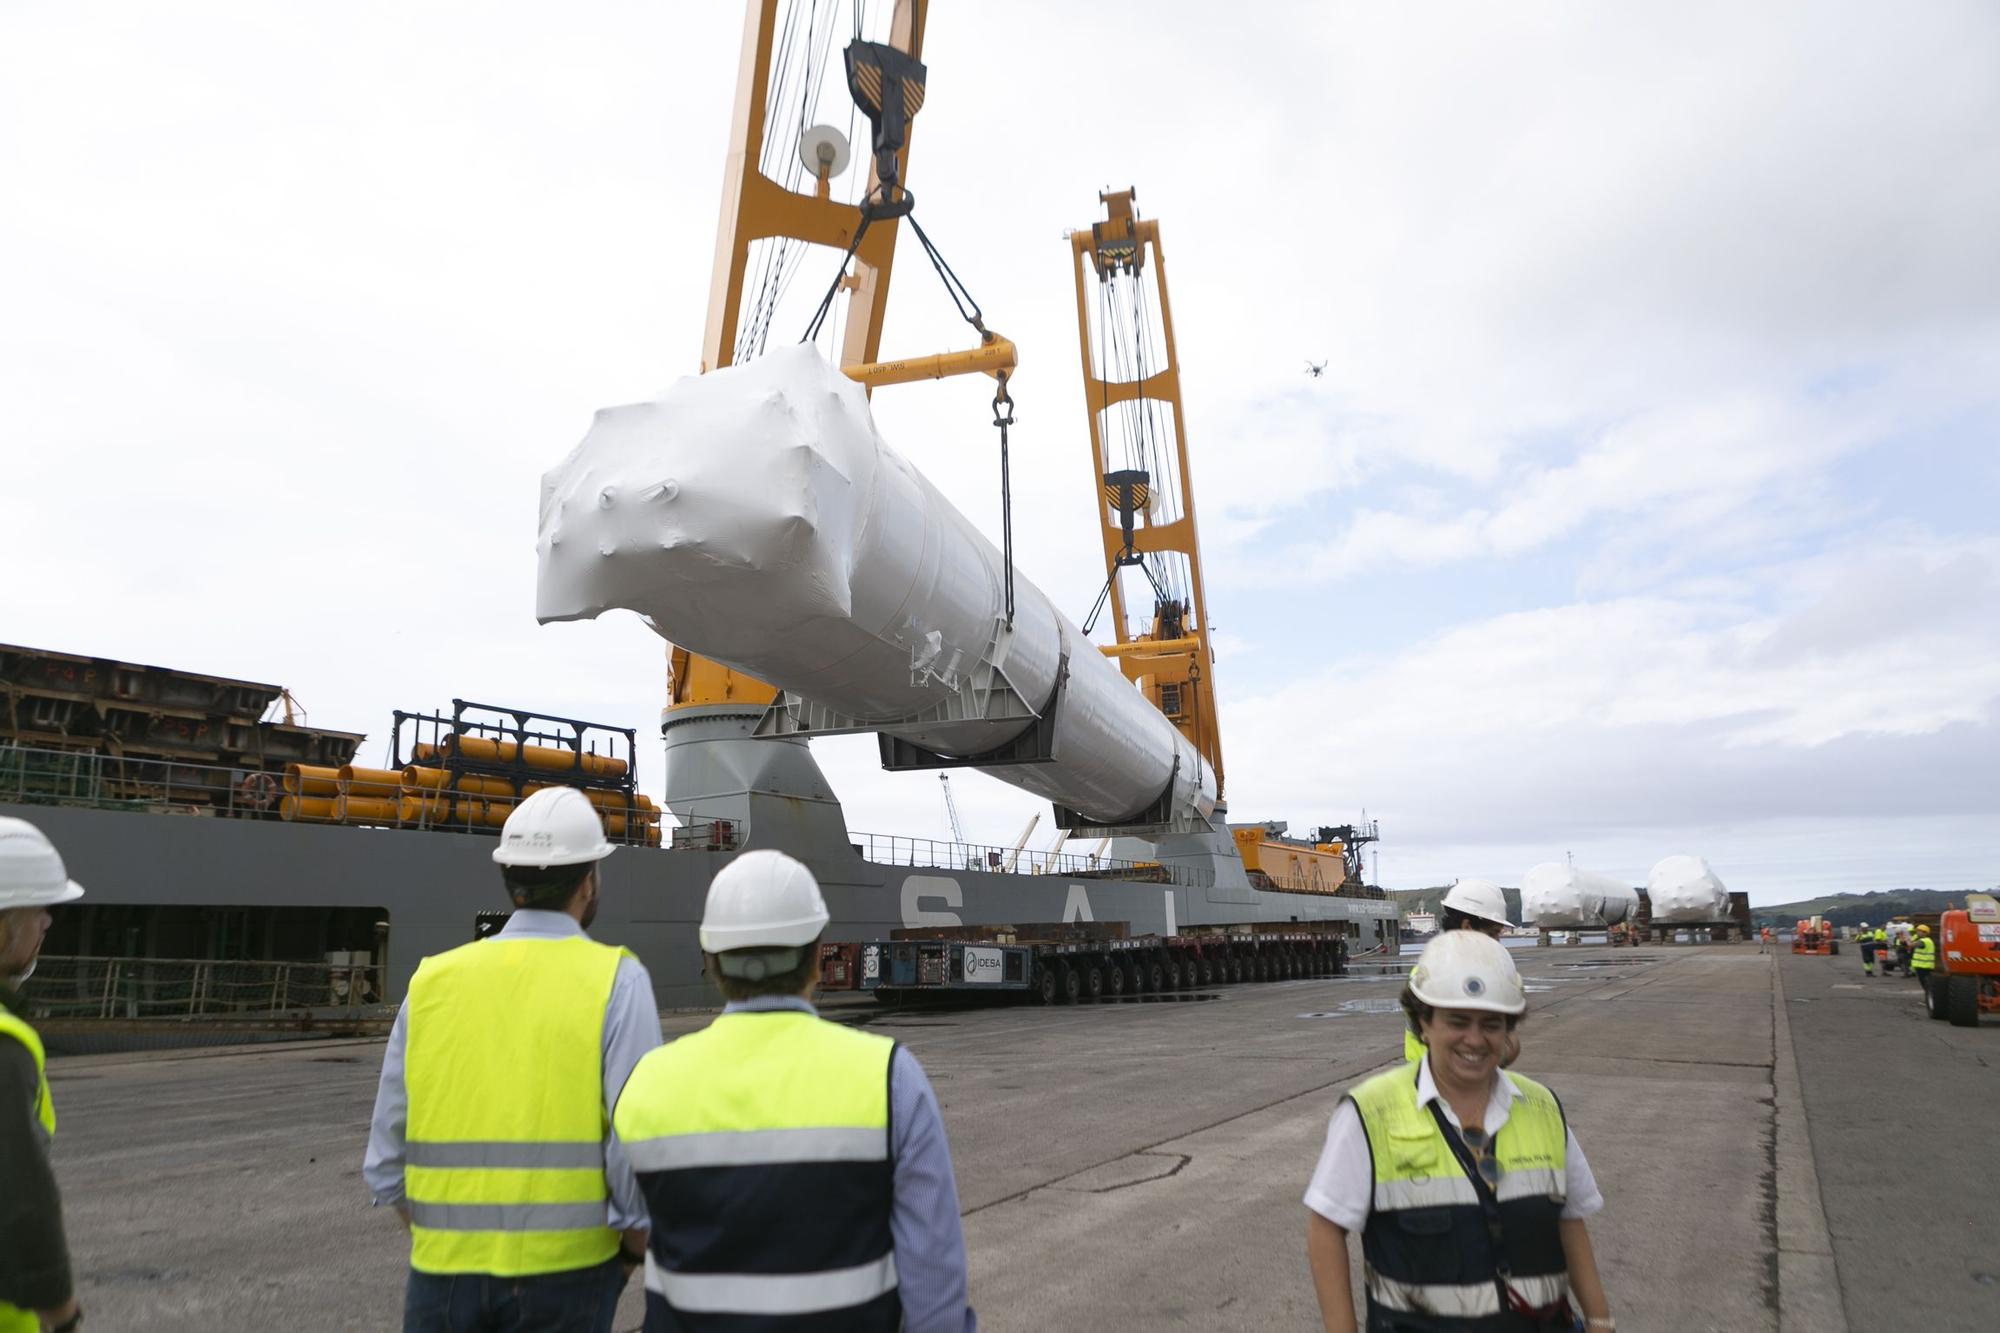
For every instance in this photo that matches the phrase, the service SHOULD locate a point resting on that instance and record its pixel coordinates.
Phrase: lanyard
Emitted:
(1489, 1208)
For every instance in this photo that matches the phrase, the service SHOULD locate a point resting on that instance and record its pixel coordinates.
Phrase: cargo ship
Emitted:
(166, 792)
(809, 580)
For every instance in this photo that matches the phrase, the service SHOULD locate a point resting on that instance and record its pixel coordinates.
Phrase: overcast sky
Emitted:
(1647, 504)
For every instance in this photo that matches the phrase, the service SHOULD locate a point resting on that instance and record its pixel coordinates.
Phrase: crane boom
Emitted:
(951, 810)
(757, 208)
(1131, 372)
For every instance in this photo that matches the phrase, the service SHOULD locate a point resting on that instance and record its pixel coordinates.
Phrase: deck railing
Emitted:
(189, 988)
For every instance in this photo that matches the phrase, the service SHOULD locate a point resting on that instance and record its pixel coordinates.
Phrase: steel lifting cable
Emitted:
(969, 311)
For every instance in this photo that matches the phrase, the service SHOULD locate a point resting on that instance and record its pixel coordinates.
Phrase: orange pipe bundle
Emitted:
(377, 784)
(534, 756)
(415, 808)
(423, 753)
(306, 809)
(473, 785)
(482, 813)
(309, 780)
(365, 810)
(419, 778)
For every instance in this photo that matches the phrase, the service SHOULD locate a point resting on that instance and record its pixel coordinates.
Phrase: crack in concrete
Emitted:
(1181, 1160)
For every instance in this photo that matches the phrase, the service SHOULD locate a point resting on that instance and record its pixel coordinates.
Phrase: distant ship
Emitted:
(1417, 925)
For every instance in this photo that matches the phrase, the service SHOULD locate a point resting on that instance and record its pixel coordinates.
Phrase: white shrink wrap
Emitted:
(754, 516)
(1684, 888)
(1556, 896)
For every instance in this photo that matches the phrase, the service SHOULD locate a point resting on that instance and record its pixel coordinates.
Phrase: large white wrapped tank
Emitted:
(1556, 896)
(754, 516)
(1684, 888)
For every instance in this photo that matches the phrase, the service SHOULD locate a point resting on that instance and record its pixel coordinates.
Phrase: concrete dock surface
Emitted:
(1783, 1144)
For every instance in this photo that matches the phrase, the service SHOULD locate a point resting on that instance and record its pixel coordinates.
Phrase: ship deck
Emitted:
(1779, 1141)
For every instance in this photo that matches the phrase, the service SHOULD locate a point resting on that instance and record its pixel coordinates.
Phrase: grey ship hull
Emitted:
(432, 886)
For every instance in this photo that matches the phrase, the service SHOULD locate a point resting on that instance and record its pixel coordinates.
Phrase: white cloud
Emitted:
(301, 302)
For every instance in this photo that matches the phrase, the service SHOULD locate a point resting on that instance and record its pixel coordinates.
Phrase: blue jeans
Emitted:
(584, 1300)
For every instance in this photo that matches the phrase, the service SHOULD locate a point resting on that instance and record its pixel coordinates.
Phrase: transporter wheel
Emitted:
(1093, 982)
(1156, 976)
(1207, 971)
(1048, 986)
(1263, 963)
(1114, 979)
(1069, 984)
(1135, 977)
(1934, 1000)
(1236, 969)
(1962, 1001)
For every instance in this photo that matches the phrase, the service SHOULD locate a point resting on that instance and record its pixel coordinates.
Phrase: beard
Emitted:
(590, 910)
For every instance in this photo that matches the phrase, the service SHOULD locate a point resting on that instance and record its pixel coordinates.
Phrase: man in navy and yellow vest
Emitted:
(1464, 1180)
(36, 1291)
(492, 1130)
(796, 1171)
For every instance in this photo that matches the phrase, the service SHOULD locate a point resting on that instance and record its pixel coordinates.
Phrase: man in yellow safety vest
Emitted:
(796, 1170)
(36, 1291)
(492, 1130)
(1923, 958)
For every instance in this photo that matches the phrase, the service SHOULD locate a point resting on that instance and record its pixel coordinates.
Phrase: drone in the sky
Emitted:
(1315, 368)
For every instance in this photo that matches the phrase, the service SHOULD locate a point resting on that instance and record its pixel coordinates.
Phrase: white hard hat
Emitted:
(556, 826)
(1864, 925)
(31, 869)
(1479, 897)
(762, 899)
(1463, 969)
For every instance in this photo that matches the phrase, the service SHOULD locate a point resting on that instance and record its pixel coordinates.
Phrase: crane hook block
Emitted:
(888, 86)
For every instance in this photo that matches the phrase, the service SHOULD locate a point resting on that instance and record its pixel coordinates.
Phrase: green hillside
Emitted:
(1851, 909)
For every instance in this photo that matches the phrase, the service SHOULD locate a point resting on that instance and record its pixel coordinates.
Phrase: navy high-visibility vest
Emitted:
(1428, 1259)
(762, 1144)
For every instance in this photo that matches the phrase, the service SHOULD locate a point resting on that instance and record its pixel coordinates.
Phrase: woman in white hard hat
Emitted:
(1464, 1180)
(35, 1287)
(1471, 904)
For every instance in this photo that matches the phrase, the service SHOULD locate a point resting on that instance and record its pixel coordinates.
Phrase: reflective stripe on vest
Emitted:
(762, 1145)
(1425, 1244)
(13, 1319)
(504, 1166)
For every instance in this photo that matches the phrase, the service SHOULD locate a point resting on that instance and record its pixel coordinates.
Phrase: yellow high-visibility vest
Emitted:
(13, 1319)
(504, 1171)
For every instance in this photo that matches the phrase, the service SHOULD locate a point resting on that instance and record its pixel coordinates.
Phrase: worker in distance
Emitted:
(491, 1134)
(1464, 1180)
(1479, 905)
(796, 1170)
(36, 1289)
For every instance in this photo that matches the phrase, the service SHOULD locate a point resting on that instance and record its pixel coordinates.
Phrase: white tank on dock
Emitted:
(1684, 888)
(1556, 896)
(755, 516)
